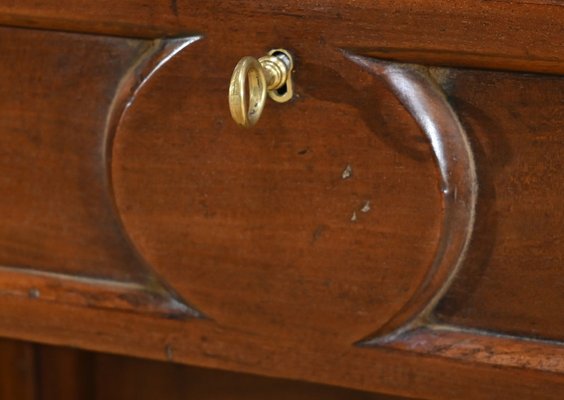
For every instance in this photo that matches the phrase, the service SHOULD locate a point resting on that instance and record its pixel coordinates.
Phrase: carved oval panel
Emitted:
(324, 219)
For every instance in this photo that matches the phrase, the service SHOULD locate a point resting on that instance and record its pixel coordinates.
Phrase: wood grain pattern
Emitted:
(523, 36)
(52, 125)
(64, 374)
(426, 102)
(61, 240)
(17, 371)
(511, 281)
(259, 228)
(206, 343)
(31, 371)
(82, 291)
(483, 347)
(128, 379)
(301, 237)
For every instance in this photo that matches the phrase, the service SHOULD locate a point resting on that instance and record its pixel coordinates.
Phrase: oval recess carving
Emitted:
(322, 222)
(62, 242)
(425, 100)
(156, 55)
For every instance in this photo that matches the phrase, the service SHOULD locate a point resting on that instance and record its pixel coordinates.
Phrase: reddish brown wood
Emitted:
(523, 35)
(56, 92)
(512, 281)
(425, 100)
(88, 292)
(482, 347)
(65, 374)
(206, 343)
(258, 228)
(30, 371)
(61, 240)
(123, 378)
(17, 371)
(127, 191)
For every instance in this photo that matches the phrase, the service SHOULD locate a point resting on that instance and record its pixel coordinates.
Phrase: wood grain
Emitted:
(523, 36)
(17, 371)
(292, 260)
(258, 228)
(65, 374)
(56, 213)
(474, 346)
(510, 282)
(128, 379)
(61, 240)
(206, 343)
(30, 371)
(421, 95)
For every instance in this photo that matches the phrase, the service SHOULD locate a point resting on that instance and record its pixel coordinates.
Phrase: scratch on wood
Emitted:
(366, 207)
(347, 172)
(317, 233)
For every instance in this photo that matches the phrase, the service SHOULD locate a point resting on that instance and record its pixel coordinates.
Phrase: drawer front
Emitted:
(395, 227)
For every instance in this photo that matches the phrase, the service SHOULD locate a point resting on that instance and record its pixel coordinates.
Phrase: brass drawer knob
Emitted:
(270, 74)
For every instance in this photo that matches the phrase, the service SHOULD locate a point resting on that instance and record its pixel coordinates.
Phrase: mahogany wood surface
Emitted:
(52, 132)
(38, 372)
(395, 228)
(501, 34)
(17, 371)
(123, 378)
(510, 282)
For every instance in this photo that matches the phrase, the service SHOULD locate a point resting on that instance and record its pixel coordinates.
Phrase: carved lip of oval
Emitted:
(155, 55)
(425, 101)
(422, 97)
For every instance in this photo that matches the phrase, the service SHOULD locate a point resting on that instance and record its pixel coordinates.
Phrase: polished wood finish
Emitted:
(501, 34)
(260, 229)
(510, 281)
(58, 221)
(123, 378)
(395, 228)
(52, 126)
(30, 371)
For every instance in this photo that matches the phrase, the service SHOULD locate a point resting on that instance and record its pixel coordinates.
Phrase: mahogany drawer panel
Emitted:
(133, 202)
(56, 92)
